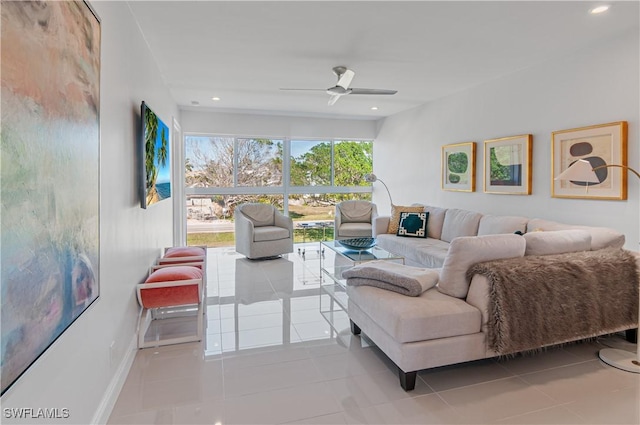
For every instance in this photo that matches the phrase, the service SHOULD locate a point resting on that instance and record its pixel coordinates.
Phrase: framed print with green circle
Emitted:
(459, 167)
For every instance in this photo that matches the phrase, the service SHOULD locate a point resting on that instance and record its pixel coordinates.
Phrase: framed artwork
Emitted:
(602, 145)
(155, 158)
(459, 167)
(507, 165)
(50, 175)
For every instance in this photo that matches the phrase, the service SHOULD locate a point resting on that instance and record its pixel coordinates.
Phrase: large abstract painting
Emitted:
(49, 180)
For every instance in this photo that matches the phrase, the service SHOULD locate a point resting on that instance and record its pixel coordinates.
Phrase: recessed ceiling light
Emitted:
(215, 99)
(374, 108)
(599, 9)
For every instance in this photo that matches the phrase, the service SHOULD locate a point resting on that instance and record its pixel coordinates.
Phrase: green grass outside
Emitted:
(310, 213)
(211, 239)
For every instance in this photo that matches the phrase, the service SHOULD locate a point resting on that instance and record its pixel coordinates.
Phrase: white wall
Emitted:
(595, 86)
(76, 372)
(274, 125)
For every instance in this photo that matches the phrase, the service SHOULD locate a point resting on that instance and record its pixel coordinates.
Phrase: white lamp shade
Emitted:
(370, 178)
(579, 171)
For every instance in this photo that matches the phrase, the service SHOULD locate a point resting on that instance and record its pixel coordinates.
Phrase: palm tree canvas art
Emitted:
(157, 170)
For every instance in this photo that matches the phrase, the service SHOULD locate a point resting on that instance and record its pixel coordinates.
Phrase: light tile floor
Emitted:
(270, 357)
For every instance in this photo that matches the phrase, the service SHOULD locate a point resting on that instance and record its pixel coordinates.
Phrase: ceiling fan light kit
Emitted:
(345, 76)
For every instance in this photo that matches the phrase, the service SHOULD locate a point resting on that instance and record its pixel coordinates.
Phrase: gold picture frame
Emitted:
(459, 167)
(507, 165)
(601, 145)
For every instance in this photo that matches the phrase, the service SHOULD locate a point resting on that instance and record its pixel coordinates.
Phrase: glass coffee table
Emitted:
(334, 261)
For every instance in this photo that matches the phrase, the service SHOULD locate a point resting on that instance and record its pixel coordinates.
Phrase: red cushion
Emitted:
(175, 261)
(174, 273)
(184, 251)
(171, 295)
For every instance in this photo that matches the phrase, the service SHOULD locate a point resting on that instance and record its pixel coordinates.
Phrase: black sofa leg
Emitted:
(407, 379)
(354, 328)
(632, 335)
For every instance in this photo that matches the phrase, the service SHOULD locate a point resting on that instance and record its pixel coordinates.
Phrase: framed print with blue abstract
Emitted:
(604, 146)
(507, 165)
(459, 167)
(50, 174)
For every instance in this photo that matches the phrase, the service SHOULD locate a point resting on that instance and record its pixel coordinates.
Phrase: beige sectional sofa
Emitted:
(452, 322)
(444, 225)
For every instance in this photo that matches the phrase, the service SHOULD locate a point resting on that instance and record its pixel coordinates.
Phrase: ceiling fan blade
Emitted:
(345, 79)
(334, 98)
(304, 89)
(373, 91)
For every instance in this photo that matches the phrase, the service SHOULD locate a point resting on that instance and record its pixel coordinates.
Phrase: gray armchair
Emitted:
(262, 231)
(354, 219)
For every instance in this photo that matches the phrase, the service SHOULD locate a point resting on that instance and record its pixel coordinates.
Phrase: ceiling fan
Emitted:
(342, 88)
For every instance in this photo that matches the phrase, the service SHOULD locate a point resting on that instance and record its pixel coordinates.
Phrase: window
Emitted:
(222, 172)
(209, 161)
(310, 163)
(259, 162)
(352, 161)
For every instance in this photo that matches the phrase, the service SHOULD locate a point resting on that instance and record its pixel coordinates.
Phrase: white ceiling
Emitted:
(244, 52)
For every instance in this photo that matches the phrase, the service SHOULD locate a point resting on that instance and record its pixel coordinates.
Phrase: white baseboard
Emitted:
(111, 395)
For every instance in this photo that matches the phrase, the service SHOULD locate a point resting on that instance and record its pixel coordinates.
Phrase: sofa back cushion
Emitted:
(469, 250)
(601, 237)
(436, 220)
(496, 224)
(557, 242)
(459, 223)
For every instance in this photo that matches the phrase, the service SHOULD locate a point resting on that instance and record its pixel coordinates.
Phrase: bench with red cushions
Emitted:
(172, 288)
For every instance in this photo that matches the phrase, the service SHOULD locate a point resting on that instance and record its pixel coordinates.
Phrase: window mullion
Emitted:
(333, 168)
(286, 173)
(235, 162)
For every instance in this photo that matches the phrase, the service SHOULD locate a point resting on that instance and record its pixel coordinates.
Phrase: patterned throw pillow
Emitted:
(413, 224)
(395, 216)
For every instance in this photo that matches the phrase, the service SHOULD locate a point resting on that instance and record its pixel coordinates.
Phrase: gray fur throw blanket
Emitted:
(550, 299)
(406, 280)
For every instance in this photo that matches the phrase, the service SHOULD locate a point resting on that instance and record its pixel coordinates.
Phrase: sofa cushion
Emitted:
(496, 224)
(459, 223)
(269, 233)
(557, 242)
(416, 251)
(431, 315)
(413, 224)
(601, 237)
(436, 220)
(395, 216)
(468, 250)
(355, 230)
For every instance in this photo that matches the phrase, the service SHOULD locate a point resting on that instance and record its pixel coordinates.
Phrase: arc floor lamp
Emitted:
(372, 178)
(582, 171)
